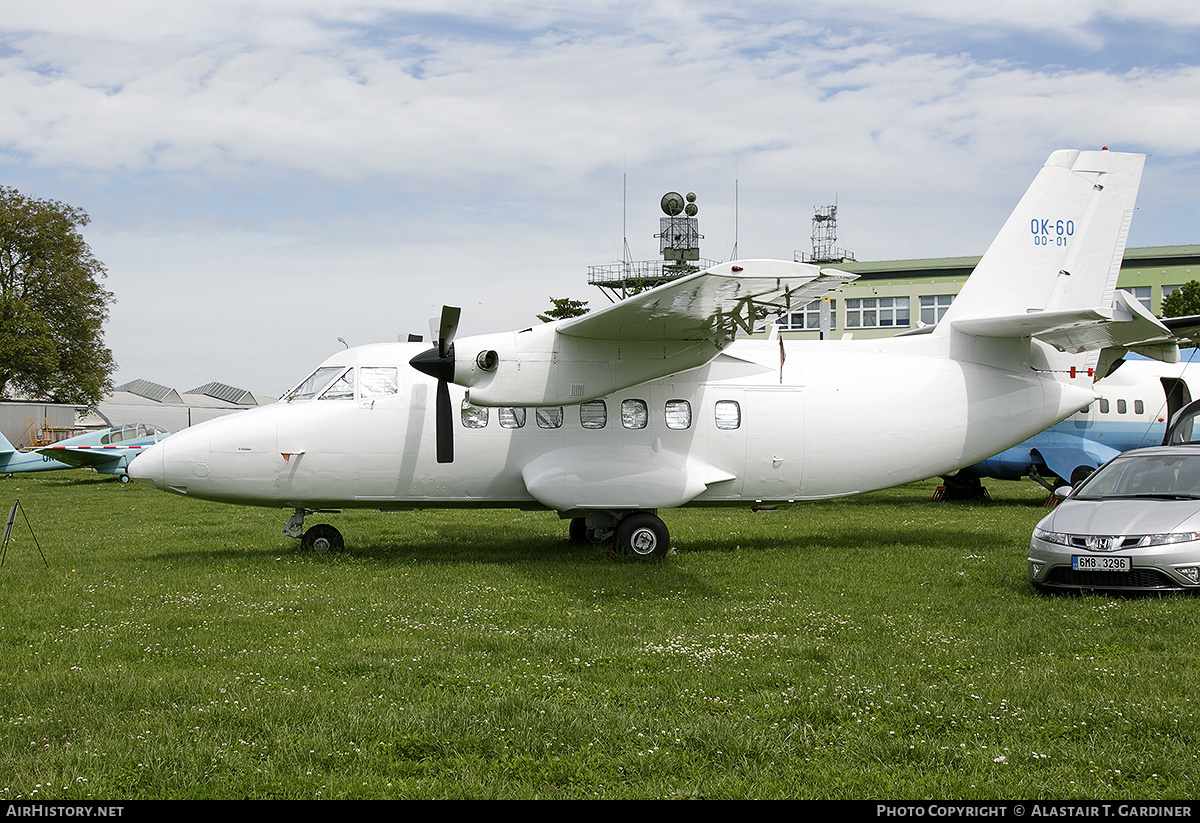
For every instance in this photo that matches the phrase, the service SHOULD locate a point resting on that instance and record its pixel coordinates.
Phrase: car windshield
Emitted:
(1148, 475)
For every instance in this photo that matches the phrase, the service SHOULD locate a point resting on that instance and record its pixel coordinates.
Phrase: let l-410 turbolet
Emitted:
(653, 403)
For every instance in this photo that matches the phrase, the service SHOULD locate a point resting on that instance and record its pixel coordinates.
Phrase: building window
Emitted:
(933, 307)
(679, 414)
(729, 414)
(512, 418)
(549, 418)
(808, 318)
(1142, 294)
(633, 414)
(876, 312)
(593, 414)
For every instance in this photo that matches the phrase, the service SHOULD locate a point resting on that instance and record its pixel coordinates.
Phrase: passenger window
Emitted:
(1121, 408)
(679, 414)
(377, 381)
(1139, 407)
(593, 414)
(511, 418)
(729, 414)
(473, 417)
(633, 414)
(549, 418)
(1103, 406)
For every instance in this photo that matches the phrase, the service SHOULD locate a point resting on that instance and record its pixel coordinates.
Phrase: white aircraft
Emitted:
(650, 403)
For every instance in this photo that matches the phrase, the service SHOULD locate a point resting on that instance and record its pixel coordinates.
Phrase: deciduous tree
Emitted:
(1183, 302)
(53, 304)
(564, 307)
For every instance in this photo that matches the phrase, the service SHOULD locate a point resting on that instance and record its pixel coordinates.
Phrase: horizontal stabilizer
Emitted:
(82, 457)
(1126, 325)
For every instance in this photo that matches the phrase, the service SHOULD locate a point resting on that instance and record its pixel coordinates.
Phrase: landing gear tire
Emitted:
(322, 538)
(643, 535)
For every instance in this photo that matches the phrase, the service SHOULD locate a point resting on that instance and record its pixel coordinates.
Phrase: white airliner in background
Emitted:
(650, 403)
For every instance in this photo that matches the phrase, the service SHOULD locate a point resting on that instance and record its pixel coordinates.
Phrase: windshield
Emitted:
(315, 382)
(1156, 475)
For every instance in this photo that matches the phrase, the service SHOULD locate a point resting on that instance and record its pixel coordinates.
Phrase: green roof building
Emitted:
(893, 296)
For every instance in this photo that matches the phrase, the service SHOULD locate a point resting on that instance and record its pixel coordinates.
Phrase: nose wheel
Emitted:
(319, 538)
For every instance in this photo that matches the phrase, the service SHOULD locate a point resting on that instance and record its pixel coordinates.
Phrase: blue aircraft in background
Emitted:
(1136, 401)
(108, 451)
(14, 460)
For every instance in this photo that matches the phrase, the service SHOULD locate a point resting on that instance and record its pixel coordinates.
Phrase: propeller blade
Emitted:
(447, 329)
(444, 416)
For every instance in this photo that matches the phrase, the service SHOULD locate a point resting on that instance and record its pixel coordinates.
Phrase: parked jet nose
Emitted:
(147, 467)
(177, 461)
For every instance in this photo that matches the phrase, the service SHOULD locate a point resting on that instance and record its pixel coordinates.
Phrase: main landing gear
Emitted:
(320, 538)
(640, 534)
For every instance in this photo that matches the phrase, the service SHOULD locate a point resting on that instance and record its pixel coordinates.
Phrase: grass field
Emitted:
(875, 647)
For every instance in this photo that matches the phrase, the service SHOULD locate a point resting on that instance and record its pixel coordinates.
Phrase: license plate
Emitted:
(1098, 563)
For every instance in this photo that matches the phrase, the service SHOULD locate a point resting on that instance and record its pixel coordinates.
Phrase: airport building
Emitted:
(893, 296)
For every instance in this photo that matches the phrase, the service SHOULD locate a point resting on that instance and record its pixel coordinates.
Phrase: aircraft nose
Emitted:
(147, 467)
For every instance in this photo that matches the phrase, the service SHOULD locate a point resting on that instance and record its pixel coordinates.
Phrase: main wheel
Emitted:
(322, 538)
(643, 535)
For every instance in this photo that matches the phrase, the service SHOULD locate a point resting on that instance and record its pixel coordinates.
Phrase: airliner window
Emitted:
(1103, 405)
(1121, 407)
(314, 383)
(729, 414)
(512, 418)
(679, 414)
(593, 414)
(342, 388)
(633, 414)
(377, 381)
(1139, 407)
(550, 418)
(473, 417)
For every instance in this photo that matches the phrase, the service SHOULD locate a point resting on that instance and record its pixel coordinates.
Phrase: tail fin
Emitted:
(5, 446)
(1061, 248)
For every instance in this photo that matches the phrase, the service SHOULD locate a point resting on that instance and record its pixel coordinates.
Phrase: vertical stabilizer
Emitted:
(5, 446)
(1061, 248)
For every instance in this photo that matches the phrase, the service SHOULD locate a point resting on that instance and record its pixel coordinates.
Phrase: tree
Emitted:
(52, 304)
(1183, 302)
(564, 307)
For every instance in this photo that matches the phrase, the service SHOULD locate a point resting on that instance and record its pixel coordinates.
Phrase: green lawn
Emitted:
(883, 646)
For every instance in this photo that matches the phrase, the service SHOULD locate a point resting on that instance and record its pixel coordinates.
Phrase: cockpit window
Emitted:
(342, 388)
(377, 381)
(314, 383)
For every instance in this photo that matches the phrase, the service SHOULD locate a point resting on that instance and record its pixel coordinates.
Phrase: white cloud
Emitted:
(303, 170)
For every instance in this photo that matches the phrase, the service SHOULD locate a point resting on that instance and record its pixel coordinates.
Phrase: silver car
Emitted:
(1133, 526)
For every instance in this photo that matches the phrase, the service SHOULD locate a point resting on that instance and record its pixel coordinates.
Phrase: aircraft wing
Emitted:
(666, 330)
(104, 459)
(710, 305)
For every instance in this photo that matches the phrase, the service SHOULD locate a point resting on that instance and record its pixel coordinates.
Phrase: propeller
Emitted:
(438, 363)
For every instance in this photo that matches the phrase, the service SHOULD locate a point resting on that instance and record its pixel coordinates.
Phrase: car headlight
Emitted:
(1165, 539)
(1052, 537)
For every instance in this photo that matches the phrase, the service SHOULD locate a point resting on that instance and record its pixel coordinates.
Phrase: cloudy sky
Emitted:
(266, 177)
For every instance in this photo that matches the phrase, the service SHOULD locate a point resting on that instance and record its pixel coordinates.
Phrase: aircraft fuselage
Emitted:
(760, 423)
